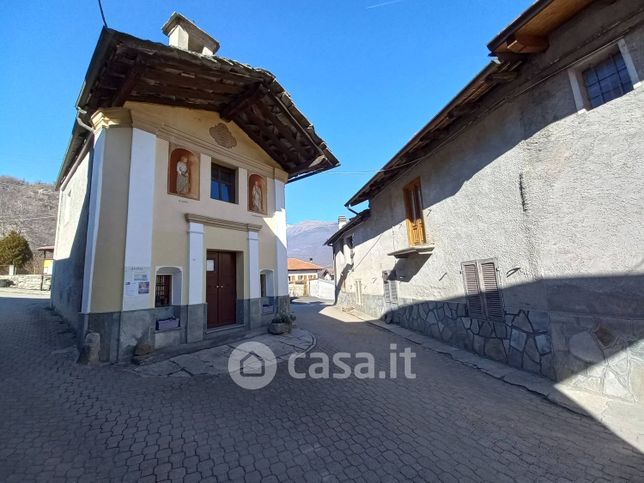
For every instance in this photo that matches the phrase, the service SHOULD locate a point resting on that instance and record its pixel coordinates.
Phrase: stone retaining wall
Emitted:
(602, 355)
(28, 282)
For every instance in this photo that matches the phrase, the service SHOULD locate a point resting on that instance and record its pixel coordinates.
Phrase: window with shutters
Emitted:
(482, 290)
(414, 213)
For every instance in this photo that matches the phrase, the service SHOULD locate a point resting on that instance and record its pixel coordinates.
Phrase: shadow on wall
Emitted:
(591, 335)
(68, 273)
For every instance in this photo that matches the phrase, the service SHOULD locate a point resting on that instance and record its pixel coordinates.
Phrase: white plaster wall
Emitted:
(72, 196)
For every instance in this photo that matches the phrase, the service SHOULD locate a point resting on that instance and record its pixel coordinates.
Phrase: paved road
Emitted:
(63, 422)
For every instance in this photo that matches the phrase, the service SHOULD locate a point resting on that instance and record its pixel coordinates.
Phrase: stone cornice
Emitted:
(219, 223)
(111, 117)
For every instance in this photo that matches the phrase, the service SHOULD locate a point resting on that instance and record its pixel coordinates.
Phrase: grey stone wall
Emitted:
(600, 355)
(28, 282)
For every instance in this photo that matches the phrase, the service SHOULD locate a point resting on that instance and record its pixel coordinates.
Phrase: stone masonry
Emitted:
(604, 356)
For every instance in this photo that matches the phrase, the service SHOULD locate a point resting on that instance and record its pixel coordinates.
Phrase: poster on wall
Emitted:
(137, 281)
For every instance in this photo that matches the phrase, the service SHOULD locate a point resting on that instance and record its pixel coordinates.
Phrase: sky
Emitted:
(368, 74)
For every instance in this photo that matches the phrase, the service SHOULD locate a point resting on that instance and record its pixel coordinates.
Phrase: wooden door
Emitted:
(221, 288)
(414, 212)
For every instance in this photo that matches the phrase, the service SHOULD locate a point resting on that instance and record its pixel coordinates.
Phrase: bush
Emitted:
(14, 250)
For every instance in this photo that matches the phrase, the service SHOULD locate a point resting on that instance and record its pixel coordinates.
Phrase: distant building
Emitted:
(172, 220)
(300, 271)
(512, 224)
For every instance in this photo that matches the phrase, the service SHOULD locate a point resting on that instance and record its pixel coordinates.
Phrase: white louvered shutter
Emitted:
(473, 290)
(493, 302)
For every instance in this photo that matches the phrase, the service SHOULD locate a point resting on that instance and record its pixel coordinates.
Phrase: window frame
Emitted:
(578, 84)
(168, 287)
(413, 202)
(232, 185)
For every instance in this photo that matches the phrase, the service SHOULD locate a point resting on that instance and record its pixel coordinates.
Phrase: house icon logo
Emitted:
(252, 365)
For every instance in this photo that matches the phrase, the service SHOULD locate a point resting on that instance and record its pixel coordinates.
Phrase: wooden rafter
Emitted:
(243, 100)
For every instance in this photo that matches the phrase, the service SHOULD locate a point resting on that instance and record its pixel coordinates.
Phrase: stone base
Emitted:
(598, 354)
(120, 332)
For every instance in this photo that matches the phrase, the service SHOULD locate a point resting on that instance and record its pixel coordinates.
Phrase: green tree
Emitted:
(14, 250)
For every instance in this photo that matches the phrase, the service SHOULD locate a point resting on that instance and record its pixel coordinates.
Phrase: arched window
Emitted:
(267, 291)
(167, 290)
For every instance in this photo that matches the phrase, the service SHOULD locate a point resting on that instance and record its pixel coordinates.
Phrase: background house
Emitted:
(300, 273)
(512, 224)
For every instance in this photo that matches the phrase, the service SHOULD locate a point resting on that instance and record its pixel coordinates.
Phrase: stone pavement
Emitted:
(623, 418)
(214, 361)
(65, 422)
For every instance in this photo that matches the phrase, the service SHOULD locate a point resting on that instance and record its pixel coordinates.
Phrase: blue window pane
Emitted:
(607, 80)
(214, 190)
(225, 193)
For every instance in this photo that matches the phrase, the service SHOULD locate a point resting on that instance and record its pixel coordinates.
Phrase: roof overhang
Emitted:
(525, 36)
(528, 34)
(125, 68)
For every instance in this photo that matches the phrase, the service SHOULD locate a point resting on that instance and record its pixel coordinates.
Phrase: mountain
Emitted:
(29, 208)
(306, 240)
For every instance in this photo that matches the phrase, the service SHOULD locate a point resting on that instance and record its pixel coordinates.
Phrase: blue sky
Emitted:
(367, 73)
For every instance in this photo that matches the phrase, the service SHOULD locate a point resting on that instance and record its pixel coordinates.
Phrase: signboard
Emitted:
(137, 281)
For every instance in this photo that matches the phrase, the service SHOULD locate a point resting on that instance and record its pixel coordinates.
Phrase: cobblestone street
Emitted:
(65, 422)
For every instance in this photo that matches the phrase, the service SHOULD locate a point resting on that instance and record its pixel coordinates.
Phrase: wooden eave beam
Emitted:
(269, 142)
(529, 44)
(243, 101)
(270, 117)
(199, 81)
(128, 85)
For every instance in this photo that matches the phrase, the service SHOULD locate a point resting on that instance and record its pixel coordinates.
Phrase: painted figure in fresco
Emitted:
(183, 176)
(257, 197)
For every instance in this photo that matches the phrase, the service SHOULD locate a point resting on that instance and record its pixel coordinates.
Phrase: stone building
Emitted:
(512, 224)
(172, 225)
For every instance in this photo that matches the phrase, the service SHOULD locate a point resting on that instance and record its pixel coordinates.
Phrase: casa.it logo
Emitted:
(252, 365)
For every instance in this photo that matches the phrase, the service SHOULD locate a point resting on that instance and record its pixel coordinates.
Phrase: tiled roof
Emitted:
(297, 264)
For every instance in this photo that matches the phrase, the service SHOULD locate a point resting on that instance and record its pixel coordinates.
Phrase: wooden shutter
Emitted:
(493, 302)
(473, 290)
(414, 213)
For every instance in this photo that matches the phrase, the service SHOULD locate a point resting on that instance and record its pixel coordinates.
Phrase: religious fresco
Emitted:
(183, 173)
(257, 194)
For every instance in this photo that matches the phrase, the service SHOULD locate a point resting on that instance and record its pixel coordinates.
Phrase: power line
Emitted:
(100, 6)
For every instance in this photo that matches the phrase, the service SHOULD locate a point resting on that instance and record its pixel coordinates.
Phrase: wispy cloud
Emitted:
(384, 4)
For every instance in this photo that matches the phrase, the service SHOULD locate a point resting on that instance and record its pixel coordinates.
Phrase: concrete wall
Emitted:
(322, 289)
(571, 248)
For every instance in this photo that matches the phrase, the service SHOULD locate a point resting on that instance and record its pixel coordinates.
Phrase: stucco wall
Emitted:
(553, 195)
(189, 129)
(71, 232)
